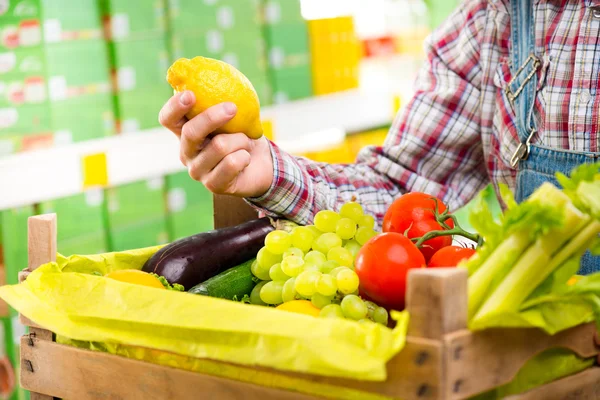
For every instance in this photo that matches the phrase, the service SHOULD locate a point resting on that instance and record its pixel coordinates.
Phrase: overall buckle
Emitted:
(522, 151)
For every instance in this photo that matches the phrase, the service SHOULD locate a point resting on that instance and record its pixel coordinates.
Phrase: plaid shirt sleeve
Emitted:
(433, 146)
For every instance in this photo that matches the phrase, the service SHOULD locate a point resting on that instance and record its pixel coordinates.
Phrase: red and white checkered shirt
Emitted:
(458, 132)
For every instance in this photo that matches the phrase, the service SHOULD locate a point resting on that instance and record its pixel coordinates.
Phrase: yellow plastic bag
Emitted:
(70, 298)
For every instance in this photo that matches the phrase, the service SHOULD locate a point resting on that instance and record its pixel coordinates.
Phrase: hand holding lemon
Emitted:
(216, 114)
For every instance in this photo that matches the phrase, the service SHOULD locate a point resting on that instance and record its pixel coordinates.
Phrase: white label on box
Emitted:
(156, 183)
(131, 125)
(35, 92)
(176, 200)
(30, 34)
(126, 78)
(8, 61)
(63, 137)
(52, 31)
(6, 147)
(8, 117)
(214, 41)
(119, 25)
(4, 6)
(18, 329)
(94, 197)
(58, 88)
(272, 12)
(277, 57)
(25, 9)
(225, 17)
(232, 58)
(280, 98)
(113, 205)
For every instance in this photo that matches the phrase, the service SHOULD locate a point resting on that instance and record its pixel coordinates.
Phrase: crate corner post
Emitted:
(41, 249)
(231, 211)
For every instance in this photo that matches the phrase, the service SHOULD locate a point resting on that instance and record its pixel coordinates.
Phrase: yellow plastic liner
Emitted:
(71, 298)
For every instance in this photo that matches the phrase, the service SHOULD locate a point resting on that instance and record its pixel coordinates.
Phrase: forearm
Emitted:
(302, 187)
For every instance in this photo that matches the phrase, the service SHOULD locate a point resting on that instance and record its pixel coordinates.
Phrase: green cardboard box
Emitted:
(197, 17)
(292, 84)
(13, 225)
(87, 243)
(264, 90)
(288, 46)
(190, 206)
(29, 23)
(24, 119)
(78, 215)
(143, 234)
(77, 68)
(138, 110)
(134, 19)
(281, 12)
(140, 63)
(22, 62)
(136, 202)
(83, 118)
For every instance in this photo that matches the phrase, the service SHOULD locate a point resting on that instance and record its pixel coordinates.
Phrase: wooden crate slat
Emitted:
(71, 373)
(582, 386)
(480, 361)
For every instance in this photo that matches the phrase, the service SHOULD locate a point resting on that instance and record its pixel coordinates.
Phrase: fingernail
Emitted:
(186, 98)
(230, 108)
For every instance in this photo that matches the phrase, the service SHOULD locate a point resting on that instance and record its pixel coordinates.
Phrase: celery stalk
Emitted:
(495, 267)
(539, 261)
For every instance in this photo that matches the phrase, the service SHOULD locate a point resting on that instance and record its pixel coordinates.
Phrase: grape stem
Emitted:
(441, 218)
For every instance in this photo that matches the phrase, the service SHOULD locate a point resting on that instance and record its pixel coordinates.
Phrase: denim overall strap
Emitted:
(536, 164)
(522, 87)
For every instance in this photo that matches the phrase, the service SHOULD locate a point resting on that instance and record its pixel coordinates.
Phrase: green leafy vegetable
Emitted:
(518, 278)
(176, 287)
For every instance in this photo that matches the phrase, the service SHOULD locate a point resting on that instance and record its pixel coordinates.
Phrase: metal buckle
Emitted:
(596, 12)
(522, 151)
(536, 65)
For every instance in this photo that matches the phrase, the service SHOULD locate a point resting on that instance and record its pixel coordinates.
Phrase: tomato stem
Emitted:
(441, 218)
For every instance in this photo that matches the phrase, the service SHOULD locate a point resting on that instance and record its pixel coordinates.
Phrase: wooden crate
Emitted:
(442, 358)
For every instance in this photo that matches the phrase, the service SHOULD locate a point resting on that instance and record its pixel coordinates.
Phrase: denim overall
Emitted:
(536, 164)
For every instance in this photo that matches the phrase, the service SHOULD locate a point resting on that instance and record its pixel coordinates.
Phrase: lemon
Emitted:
(300, 307)
(213, 82)
(136, 277)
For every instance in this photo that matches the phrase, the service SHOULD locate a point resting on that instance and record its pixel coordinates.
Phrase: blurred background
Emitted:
(82, 82)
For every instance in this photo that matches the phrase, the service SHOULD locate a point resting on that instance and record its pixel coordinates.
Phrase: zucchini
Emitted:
(231, 284)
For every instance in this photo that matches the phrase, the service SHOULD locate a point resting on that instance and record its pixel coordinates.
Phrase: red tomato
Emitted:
(413, 212)
(382, 265)
(450, 256)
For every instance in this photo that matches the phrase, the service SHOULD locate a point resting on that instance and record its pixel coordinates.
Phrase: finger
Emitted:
(222, 179)
(198, 128)
(216, 149)
(172, 114)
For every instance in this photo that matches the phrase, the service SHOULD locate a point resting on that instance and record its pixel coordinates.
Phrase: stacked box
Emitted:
(139, 58)
(46, 72)
(136, 215)
(13, 229)
(227, 30)
(190, 206)
(81, 222)
(335, 54)
(286, 33)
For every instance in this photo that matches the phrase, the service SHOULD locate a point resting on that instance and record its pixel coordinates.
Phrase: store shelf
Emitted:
(302, 126)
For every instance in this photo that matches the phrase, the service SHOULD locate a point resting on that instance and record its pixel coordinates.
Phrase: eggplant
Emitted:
(195, 259)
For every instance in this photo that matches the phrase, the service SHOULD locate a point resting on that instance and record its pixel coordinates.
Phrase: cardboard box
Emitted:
(282, 12)
(134, 19)
(198, 17)
(140, 64)
(79, 215)
(87, 243)
(30, 23)
(83, 118)
(135, 202)
(143, 234)
(138, 109)
(190, 206)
